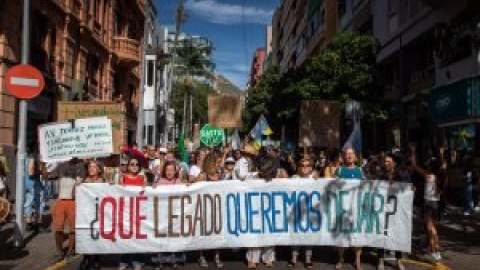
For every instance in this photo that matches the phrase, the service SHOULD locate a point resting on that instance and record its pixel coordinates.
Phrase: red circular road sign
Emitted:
(24, 81)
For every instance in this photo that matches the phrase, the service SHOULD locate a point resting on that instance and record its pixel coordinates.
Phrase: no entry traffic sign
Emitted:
(24, 81)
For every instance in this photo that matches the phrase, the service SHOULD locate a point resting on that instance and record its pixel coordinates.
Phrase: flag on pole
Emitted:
(355, 139)
(236, 142)
(181, 148)
(260, 129)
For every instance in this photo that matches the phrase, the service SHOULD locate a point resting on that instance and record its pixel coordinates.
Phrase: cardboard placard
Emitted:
(320, 124)
(224, 111)
(114, 111)
(81, 138)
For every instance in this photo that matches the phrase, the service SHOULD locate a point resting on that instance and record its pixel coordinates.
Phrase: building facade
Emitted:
(258, 62)
(301, 29)
(87, 50)
(430, 73)
(158, 90)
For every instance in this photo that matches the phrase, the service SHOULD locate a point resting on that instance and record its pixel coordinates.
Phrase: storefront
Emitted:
(455, 109)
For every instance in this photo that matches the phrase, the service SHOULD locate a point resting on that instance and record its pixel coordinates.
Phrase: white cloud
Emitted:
(221, 13)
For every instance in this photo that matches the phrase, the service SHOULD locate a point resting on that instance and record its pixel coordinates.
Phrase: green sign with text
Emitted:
(211, 136)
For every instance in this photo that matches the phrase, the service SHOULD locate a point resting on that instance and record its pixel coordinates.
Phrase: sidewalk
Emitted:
(460, 237)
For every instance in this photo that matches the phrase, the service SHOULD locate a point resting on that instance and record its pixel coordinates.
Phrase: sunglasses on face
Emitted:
(133, 164)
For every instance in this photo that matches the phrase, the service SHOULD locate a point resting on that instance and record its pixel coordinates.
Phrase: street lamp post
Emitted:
(21, 143)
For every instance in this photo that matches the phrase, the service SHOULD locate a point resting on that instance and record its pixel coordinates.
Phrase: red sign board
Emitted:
(24, 81)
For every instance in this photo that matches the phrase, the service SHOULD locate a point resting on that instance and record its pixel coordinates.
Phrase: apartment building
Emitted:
(430, 65)
(86, 49)
(301, 29)
(258, 62)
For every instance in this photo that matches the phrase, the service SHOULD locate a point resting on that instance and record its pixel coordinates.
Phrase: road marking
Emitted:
(60, 264)
(430, 266)
(24, 81)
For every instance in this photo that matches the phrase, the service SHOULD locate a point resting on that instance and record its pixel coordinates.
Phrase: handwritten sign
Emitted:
(224, 111)
(112, 110)
(320, 123)
(79, 138)
(233, 214)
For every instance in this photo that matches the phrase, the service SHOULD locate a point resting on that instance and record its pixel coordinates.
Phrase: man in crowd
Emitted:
(69, 174)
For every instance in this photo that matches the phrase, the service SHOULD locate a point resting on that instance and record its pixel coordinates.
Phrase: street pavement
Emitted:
(460, 237)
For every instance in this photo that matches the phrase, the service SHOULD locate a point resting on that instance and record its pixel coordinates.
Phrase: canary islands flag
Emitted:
(260, 129)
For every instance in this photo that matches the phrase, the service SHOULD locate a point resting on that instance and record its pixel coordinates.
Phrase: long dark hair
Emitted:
(138, 162)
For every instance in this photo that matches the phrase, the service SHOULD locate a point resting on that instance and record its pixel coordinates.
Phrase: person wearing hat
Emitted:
(229, 166)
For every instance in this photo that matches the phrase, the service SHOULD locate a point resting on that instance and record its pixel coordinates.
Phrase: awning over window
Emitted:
(455, 102)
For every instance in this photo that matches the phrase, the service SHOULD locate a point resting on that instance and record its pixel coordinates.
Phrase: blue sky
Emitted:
(221, 22)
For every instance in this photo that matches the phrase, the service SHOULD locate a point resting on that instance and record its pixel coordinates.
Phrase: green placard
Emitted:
(211, 136)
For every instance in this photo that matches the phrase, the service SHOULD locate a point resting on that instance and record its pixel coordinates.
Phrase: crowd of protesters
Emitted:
(158, 166)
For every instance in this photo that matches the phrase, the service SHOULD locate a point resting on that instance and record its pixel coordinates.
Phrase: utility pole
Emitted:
(22, 136)
(141, 114)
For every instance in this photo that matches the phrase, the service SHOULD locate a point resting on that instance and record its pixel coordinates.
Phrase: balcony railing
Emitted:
(127, 50)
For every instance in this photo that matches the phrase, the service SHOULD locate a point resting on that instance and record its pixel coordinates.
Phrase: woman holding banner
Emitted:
(336, 161)
(132, 178)
(94, 175)
(349, 171)
(305, 171)
(169, 177)
(393, 176)
(268, 169)
(211, 173)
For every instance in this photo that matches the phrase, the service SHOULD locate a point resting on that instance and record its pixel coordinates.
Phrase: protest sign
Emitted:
(232, 214)
(79, 138)
(210, 136)
(320, 123)
(112, 110)
(224, 111)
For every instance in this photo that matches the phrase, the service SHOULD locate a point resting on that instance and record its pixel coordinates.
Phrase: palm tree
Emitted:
(193, 62)
(190, 60)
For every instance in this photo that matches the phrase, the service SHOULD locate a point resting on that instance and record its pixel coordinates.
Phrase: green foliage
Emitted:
(200, 92)
(345, 70)
(193, 59)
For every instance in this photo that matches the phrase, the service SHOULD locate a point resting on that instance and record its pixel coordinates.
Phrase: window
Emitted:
(150, 70)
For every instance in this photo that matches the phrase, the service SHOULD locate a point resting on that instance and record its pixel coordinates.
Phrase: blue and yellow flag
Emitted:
(260, 129)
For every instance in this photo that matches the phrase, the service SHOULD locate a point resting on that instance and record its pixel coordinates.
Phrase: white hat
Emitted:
(229, 160)
(163, 150)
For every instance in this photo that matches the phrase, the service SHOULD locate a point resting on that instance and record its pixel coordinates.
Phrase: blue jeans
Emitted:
(34, 199)
(468, 205)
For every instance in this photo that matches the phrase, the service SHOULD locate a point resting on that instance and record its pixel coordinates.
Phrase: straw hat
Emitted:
(248, 149)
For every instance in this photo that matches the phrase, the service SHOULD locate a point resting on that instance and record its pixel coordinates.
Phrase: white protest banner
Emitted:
(79, 138)
(231, 214)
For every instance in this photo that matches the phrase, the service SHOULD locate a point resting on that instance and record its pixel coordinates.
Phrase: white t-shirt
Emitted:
(66, 188)
(241, 169)
(431, 189)
(194, 171)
